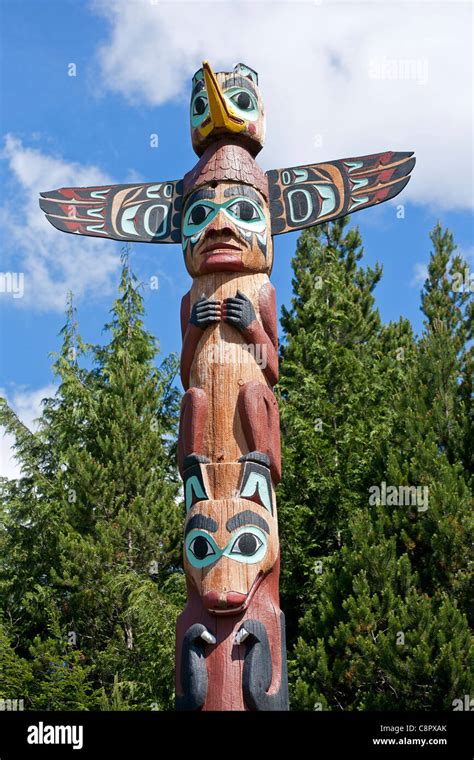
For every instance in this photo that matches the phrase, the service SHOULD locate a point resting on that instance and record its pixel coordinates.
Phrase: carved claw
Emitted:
(241, 635)
(208, 637)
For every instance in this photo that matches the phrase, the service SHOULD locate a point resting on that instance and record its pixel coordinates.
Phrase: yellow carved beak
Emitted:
(221, 115)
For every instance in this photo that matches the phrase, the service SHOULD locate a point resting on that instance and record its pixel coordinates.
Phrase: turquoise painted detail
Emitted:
(231, 95)
(329, 198)
(100, 194)
(358, 183)
(354, 164)
(126, 221)
(193, 484)
(198, 118)
(153, 191)
(358, 201)
(229, 208)
(307, 194)
(146, 219)
(230, 550)
(286, 177)
(255, 482)
(301, 175)
(241, 68)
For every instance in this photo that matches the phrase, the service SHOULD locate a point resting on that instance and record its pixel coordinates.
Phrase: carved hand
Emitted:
(239, 311)
(205, 312)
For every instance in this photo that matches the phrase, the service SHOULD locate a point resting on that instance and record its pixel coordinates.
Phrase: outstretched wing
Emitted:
(148, 213)
(307, 195)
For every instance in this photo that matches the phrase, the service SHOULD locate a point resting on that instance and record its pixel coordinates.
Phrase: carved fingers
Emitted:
(239, 311)
(205, 312)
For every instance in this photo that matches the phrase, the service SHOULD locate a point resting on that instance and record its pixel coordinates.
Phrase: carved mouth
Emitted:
(243, 607)
(213, 248)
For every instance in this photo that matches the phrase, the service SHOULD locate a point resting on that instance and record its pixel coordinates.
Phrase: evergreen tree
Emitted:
(385, 622)
(92, 528)
(338, 369)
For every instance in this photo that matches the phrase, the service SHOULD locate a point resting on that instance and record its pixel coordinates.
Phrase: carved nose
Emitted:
(224, 601)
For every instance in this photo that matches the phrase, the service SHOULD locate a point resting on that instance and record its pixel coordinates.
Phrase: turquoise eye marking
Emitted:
(247, 545)
(193, 484)
(242, 102)
(203, 212)
(193, 223)
(238, 209)
(255, 482)
(199, 108)
(201, 549)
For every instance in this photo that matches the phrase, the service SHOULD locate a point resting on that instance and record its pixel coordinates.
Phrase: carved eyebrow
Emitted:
(245, 190)
(247, 518)
(234, 81)
(205, 193)
(201, 521)
(197, 88)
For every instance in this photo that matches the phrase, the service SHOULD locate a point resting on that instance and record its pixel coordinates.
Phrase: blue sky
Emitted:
(341, 81)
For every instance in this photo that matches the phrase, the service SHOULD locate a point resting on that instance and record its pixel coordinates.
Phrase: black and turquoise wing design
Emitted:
(142, 213)
(304, 196)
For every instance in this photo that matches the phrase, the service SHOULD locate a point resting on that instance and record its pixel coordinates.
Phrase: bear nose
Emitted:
(230, 600)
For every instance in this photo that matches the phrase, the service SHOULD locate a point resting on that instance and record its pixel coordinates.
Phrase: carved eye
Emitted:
(242, 100)
(201, 547)
(246, 544)
(199, 214)
(244, 210)
(199, 106)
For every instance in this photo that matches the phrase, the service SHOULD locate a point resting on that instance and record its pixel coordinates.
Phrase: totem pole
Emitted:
(230, 644)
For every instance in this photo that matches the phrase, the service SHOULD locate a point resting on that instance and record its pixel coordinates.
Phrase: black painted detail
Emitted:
(239, 311)
(201, 521)
(257, 462)
(205, 312)
(195, 470)
(193, 674)
(256, 456)
(258, 671)
(193, 459)
(247, 517)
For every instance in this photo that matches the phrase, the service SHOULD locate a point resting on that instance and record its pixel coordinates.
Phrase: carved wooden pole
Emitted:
(230, 644)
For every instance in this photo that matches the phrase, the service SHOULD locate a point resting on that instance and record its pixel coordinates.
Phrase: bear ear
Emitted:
(246, 71)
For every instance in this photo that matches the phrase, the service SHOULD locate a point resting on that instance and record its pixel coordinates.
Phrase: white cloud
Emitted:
(361, 77)
(26, 403)
(52, 263)
(420, 274)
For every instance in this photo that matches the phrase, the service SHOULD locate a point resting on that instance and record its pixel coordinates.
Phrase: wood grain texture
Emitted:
(223, 363)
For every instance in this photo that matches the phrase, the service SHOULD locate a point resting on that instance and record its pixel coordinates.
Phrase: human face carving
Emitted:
(226, 228)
